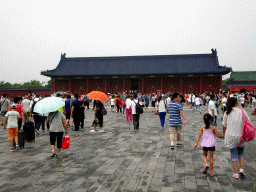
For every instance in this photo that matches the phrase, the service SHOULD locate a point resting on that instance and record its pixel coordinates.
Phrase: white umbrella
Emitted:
(49, 104)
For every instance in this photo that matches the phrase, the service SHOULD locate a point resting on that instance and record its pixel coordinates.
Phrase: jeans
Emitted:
(162, 118)
(38, 121)
(76, 118)
(128, 113)
(198, 106)
(82, 122)
(124, 109)
(87, 104)
(136, 121)
(236, 153)
(43, 122)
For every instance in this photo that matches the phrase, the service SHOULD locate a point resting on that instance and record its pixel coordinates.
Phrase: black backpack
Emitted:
(139, 109)
(33, 106)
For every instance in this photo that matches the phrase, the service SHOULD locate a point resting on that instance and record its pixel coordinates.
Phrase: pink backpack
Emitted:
(248, 132)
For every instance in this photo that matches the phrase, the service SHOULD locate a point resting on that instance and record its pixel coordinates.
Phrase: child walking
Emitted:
(11, 119)
(208, 142)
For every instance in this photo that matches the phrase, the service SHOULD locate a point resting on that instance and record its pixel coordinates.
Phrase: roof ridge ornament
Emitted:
(63, 56)
(214, 52)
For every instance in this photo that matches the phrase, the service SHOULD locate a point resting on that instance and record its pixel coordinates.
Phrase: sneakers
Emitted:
(172, 147)
(179, 144)
(53, 154)
(236, 175)
(101, 131)
(57, 156)
(206, 167)
(92, 131)
(37, 132)
(17, 147)
(12, 149)
(241, 173)
(211, 174)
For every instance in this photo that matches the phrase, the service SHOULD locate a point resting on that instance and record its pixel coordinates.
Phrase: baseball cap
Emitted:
(14, 106)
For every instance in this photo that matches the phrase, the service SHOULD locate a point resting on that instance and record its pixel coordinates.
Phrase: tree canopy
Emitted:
(26, 85)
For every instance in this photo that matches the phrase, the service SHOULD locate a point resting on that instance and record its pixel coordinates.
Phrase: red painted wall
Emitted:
(12, 94)
(151, 85)
(248, 88)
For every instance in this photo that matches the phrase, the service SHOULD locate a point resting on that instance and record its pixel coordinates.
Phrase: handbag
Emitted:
(103, 111)
(65, 142)
(248, 132)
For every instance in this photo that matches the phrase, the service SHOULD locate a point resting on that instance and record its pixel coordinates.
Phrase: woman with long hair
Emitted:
(232, 129)
(162, 110)
(98, 106)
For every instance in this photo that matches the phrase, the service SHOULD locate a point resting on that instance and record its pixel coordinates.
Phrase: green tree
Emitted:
(225, 85)
(48, 84)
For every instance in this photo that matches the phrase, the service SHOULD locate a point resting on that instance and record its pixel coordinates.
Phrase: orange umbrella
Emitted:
(98, 95)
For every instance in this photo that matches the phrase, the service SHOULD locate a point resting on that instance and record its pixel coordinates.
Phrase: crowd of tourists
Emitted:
(132, 106)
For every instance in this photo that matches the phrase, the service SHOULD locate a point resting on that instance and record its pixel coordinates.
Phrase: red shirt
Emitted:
(118, 101)
(19, 107)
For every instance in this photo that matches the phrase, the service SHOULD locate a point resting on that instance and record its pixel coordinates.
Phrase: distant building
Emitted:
(143, 74)
(242, 80)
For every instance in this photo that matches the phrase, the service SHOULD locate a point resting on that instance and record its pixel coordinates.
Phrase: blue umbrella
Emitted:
(49, 104)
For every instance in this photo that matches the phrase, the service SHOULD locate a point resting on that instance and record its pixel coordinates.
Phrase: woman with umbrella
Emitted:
(56, 119)
(98, 107)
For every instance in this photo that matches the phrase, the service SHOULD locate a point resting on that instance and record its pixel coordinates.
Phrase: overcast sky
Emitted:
(34, 33)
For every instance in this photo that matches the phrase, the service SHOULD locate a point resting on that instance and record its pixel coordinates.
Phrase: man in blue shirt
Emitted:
(175, 112)
(76, 111)
(147, 102)
(86, 101)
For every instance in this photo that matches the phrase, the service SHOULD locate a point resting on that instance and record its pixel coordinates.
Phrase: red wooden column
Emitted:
(220, 83)
(106, 85)
(124, 84)
(201, 84)
(162, 84)
(181, 84)
(142, 86)
(53, 86)
(70, 88)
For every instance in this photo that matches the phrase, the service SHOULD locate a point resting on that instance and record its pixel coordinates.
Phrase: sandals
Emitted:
(206, 167)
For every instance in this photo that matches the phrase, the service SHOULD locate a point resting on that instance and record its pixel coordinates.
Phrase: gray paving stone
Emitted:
(122, 160)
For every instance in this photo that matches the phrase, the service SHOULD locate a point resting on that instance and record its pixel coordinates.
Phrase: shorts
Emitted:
(153, 104)
(3, 113)
(59, 136)
(113, 106)
(193, 104)
(67, 115)
(146, 104)
(209, 148)
(175, 129)
(12, 133)
(236, 153)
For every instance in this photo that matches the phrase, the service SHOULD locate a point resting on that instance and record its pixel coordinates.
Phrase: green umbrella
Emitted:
(49, 104)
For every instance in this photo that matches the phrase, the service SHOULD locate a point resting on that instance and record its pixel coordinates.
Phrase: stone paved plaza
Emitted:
(122, 160)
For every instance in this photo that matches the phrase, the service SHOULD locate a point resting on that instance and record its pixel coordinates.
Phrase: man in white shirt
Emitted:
(37, 116)
(192, 99)
(212, 109)
(224, 102)
(198, 103)
(135, 115)
(168, 100)
(112, 103)
(26, 104)
(128, 108)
